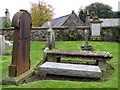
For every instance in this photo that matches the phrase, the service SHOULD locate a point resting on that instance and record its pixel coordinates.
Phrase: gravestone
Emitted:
(86, 46)
(76, 70)
(19, 70)
(50, 37)
(72, 26)
(21, 44)
(2, 44)
(96, 26)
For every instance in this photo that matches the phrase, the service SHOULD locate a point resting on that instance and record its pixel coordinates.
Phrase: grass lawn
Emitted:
(37, 56)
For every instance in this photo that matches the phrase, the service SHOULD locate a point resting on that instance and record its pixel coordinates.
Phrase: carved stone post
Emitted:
(50, 37)
(86, 46)
(21, 44)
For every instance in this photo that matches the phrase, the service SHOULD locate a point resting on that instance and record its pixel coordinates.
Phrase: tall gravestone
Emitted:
(96, 26)
(50, 37)
(21, 44)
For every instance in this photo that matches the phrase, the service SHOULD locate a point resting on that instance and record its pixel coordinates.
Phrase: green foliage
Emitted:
(41, 13)
(73, 36)
(6, 24)
(117, 14)
(82, 15)
(98, 9)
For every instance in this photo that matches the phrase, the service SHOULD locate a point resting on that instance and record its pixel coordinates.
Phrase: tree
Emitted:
(41, 13)
(82, 15)
(99, 9)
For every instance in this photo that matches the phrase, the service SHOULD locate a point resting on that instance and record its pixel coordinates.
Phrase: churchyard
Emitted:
(58, 64)
(36, 51)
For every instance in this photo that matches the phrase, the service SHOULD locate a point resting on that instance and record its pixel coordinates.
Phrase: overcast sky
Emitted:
(61, 7)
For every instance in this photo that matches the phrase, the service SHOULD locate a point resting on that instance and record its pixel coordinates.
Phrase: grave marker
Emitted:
(95, 26)
(2, 44)
(86, 46)
(76, 70)
(50, 37)
(72, 26)
(21, 44)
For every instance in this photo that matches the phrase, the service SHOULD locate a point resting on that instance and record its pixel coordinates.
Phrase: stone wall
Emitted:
(107, 34)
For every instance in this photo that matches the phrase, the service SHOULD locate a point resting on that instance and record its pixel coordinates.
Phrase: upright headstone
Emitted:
(50, 37)
(21, 44)
(2, 44)
(95, 26)
(72, 26)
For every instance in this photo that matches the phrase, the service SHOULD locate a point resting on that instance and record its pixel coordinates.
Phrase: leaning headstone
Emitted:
(2, 44)
(50, 37)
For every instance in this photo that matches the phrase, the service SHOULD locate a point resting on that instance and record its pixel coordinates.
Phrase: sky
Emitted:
(61, 7)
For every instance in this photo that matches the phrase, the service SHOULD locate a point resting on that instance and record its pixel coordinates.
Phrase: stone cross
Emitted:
(2, 44)
(21, 44)
(86, 46)
(50, 37)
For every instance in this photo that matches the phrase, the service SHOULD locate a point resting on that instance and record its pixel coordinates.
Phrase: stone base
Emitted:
(76, 70)
(88, 48)
(17, 80)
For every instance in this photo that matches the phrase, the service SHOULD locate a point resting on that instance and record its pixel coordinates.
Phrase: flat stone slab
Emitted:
(80, 54)
(76, 70)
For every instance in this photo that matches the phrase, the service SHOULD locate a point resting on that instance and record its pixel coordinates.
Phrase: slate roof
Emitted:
(57, 22)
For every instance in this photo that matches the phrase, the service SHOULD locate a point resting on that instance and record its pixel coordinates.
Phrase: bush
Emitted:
(6, 24)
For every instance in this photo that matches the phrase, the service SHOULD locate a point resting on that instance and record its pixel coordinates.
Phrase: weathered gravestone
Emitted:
(21, 44)
(96, 26)
(72, 32)
(86, 46)
(19, 70)
(50, 37)
(72, 26)
(2, 44)
(76, 70)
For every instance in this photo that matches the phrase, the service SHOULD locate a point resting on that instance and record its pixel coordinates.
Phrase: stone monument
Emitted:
(21, 44)
(19, 69)
(50, 37)
(95, 26)
(86, 46)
